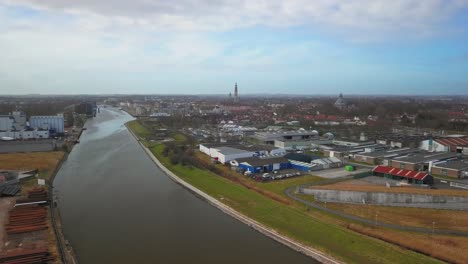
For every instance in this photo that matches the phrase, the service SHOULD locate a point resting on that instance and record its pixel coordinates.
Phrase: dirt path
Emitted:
(5, 205)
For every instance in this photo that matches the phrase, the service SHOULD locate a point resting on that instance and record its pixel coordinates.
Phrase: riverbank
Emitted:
(67, 254)
(296, 223)
(230, 211)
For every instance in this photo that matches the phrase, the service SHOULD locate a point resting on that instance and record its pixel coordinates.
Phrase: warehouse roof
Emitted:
(230, 151)
(417, 175)
(426, 157)
(256, 161)
(453, 141)
(388, 153)
(455, 164)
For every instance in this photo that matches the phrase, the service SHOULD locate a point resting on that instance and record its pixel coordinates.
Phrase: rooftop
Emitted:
(425, 157)
(453, 164)
(230, 151)
(452, 141)
(256, 161)
(392, 153)
(417, 175)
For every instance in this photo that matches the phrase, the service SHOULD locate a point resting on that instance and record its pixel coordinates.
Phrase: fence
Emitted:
(459, 185)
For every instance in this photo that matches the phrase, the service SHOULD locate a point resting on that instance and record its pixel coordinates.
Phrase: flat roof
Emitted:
(256, 161)
(286, 133)
(239, 146)
(426, 157)
(389, 153)
(453, 164)
(230, 151)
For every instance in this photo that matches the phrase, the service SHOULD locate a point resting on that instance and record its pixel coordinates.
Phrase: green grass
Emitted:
(294, 222)
(279, 186)
(139, 129)
(179, 137)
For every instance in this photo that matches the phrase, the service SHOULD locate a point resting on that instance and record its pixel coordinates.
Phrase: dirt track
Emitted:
(5, 205)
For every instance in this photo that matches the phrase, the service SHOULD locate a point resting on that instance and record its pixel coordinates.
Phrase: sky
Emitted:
(205, 46)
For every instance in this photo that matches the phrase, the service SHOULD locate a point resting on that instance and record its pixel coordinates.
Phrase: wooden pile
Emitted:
(35, 195)
(26, 256)
(27, 218)
(38, 193)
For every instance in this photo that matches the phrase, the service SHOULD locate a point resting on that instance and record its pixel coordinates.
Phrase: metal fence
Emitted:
(459, 185)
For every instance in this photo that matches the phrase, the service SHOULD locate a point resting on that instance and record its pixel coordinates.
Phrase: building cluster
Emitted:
(440, 156)
(16, 126)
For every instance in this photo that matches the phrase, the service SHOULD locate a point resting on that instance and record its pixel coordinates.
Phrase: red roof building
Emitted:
(417, 176)
(454, 143)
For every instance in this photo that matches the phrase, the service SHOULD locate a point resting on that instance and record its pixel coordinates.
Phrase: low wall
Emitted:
(390, 199)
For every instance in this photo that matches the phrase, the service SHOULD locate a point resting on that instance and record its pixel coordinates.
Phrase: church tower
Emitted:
(236, 94)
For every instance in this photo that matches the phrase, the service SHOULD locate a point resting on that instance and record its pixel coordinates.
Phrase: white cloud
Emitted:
(408, 17)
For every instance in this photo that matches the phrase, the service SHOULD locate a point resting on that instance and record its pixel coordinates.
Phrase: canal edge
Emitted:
(67, 255)
(271, 233)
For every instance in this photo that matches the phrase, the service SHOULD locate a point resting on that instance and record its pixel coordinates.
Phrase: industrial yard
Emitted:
(27, 232)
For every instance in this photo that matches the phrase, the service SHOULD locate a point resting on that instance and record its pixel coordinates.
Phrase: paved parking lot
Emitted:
(337, 172)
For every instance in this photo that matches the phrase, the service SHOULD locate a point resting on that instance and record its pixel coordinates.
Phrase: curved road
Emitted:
(290, 193)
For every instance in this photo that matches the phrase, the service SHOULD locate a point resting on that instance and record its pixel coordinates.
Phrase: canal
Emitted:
(118, 207)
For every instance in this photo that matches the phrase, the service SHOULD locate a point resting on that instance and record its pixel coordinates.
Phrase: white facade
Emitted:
(26, 134)
(48, 122)
(6, 123)
(19, 120)
(433, 146)
(226, 156)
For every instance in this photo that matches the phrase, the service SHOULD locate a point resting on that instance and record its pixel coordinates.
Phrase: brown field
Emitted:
(443, 219)
(447, 248)
(45, 162)
(353, 185)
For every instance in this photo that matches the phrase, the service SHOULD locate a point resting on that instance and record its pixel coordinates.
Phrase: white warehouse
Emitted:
(48, 122)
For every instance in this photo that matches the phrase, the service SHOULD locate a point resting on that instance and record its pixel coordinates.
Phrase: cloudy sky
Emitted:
(205, 46)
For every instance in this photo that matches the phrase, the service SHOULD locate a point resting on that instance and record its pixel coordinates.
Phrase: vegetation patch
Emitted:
(293, 221)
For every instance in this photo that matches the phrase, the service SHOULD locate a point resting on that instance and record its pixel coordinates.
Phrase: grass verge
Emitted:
(296, 223)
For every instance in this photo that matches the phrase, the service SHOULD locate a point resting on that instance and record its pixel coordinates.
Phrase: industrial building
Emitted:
(270, 137)
(26, 134)
(259, 165)
(307, 163)
(340, 151)
(379, 157)
(227, 152)
(414, 177)
(6, 122)
(453, 169)
(420, 161)
(301, 144)
(446, 144)
(14, 121)
(55, 124)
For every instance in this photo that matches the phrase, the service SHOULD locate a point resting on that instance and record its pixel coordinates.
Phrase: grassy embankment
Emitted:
(294, 222)
(443, 219)
(45, 163)
(449, 248)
